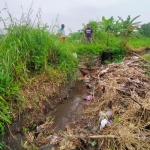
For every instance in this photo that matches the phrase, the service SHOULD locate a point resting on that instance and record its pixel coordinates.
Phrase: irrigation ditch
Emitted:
(108, 107)
(65, 101)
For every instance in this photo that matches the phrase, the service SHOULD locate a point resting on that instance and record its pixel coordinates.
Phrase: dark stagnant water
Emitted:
(70, 107)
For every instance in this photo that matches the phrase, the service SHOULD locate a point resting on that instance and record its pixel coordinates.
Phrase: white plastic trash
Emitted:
(104, 122)
(104, 71)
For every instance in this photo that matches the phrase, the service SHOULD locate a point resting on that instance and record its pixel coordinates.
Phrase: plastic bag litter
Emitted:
(104, 122)
(89, 97)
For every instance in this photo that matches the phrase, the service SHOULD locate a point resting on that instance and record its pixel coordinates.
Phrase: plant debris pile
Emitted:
(118, 115)
(116, 112)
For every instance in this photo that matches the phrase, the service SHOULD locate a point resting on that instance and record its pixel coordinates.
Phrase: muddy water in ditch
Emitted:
(70, 107)
(67, 110)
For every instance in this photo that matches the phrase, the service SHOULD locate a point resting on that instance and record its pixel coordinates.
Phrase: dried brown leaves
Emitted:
(127, 86)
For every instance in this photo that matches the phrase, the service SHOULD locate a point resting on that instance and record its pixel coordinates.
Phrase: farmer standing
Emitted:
(62, 32)
(88, 34)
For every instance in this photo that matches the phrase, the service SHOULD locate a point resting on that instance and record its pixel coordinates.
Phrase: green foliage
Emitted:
(76, 35)
(90, 49)
(28, 48)
(116, 120)
(93, 143)
(145, 29)
(110, 25)
(118, 54)
(98, 29)
(2, 146)
(146, 57)
(26, 129)
(128, 26)
(125, 28)
(108, 28)
(63, 56)
(4, 114)
(140, 41)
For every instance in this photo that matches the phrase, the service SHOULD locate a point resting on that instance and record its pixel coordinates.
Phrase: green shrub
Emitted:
(90, 49)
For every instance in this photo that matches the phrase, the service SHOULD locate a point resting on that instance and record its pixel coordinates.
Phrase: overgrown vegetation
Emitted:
(140, 41)
(27, 49)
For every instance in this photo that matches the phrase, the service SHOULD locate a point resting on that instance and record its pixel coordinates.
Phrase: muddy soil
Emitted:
(68, 108)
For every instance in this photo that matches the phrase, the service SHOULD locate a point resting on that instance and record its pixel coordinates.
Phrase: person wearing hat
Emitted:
(62, 32)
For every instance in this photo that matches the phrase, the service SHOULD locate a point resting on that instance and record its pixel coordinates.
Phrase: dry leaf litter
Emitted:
(115, 116)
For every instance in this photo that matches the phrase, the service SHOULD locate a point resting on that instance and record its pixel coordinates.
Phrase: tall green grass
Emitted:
(31, 48)
(140, 41)
(28, 48)
(4, 114)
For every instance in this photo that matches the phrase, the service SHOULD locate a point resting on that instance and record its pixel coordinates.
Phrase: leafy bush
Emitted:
(90, 49)
(29, 48)
(2, 146)
(118, 54)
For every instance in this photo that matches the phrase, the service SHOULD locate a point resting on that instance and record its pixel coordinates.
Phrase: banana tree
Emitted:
(128, 27)
(110, 26)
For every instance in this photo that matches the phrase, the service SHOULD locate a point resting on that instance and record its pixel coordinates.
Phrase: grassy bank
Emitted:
(140, 41)
(28, 50)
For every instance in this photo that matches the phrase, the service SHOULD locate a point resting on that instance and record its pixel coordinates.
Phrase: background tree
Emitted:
(145, 29)
(128, 26)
